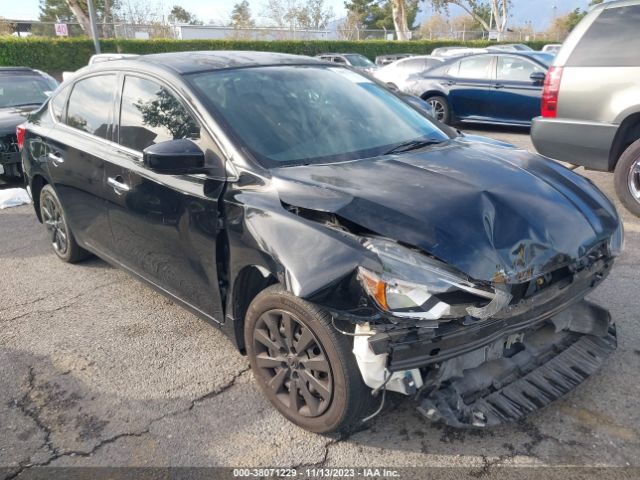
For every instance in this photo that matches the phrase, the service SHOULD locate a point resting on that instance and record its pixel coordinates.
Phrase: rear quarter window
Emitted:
(611, 40)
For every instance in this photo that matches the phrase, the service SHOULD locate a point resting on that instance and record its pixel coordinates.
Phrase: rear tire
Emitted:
(627, 178)
(441, 109)
(54, 218)
(304, 367)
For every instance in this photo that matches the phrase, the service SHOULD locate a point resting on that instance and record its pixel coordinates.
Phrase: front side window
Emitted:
(473, 67)
(151, 114)
(23, 90)
(90, 104)
(611, 40)
(515, 69)
(287, 115)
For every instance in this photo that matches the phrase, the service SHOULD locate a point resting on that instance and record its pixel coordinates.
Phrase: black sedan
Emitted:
(22, 89)
(344, 241)
(499, 88)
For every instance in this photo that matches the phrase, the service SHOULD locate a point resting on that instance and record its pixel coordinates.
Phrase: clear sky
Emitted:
(539, 12)
(217, 10)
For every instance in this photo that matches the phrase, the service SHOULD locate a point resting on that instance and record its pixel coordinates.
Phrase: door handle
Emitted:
(118, 184)
(498, 86)
(451, 82)
(55, 158)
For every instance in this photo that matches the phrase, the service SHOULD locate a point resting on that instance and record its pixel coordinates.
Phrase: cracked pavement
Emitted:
(97, 369)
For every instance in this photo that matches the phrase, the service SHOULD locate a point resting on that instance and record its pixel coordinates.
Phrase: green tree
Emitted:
(378, 14)
(76, 11)
(573, 18)
(179, 14)
(241, 15)
(491, 15)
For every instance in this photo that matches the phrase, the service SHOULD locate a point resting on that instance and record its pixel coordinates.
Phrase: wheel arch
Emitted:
(37, 184)
(248, 283)
(628, 132)
(433, 93)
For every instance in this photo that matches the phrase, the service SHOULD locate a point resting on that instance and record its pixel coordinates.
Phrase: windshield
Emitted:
(17, 90)
(359, 61)
(288, 115)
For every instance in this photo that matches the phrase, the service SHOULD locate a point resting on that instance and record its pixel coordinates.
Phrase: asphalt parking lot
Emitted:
(96, 369)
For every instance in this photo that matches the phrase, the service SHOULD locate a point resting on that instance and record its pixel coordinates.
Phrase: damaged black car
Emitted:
(346, 242)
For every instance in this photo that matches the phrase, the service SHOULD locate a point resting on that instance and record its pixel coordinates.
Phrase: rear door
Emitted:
(165, 227)
(515, 97)
(77, 148)
(469, 85)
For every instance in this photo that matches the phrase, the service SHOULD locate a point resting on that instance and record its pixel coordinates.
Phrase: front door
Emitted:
(165, 227)
(76, 158)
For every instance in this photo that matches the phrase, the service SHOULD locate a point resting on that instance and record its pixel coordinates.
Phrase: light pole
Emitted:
(92, 21)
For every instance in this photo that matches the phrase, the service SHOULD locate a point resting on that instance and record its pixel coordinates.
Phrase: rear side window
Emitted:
(90, 104)
(58, 104)
(151, 114)
(611, 40)
(516, 69)
(473, 67)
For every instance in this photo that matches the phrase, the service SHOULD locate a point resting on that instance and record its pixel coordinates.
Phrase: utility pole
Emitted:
(92, 21)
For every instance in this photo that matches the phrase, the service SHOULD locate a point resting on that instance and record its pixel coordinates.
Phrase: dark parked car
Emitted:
(21, 90)
(343, 241)
(499, 88)
(354, 60)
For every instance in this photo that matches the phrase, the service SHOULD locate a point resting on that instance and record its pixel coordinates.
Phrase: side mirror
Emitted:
(174, 157)
(537, 77)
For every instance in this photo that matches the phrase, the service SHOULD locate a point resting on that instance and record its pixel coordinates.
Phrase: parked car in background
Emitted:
(22, 90)
(448, 52)
(382, 60)
(591, 99)
(552, 48)
(500, 88)
(510, 47)
(345, 242)
(396, 73)
(99, 58)
(354, 60)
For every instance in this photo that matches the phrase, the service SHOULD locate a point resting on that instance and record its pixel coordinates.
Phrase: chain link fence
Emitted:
(190, 32)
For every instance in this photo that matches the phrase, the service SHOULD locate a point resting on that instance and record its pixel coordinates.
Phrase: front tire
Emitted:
(304, 367)
(54, 218)
(627, 178)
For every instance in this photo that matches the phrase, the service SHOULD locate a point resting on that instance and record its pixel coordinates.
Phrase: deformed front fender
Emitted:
(306, 257)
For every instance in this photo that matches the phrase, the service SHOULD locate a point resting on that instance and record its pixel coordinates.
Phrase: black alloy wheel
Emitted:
(56, 225)
(304, 366)
(55, 220)
(293, 363)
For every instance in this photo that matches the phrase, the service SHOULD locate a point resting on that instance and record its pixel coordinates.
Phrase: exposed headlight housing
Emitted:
(413, 285)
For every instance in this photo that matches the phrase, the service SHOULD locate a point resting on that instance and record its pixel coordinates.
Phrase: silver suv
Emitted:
(591, 98)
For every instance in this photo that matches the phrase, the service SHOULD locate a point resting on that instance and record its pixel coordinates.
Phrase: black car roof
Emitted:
(190, 62)
(17, 70)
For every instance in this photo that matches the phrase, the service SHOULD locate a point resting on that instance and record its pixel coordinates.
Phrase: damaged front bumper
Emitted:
(521, 378)
(488, 372)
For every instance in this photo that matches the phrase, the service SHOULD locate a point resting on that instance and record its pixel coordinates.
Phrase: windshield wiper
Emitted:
(411, 145)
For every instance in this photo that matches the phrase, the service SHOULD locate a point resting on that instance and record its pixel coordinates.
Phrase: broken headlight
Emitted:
(413, 285)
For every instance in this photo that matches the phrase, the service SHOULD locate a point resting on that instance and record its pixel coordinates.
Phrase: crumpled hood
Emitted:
(490, 211)
(10, 118)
